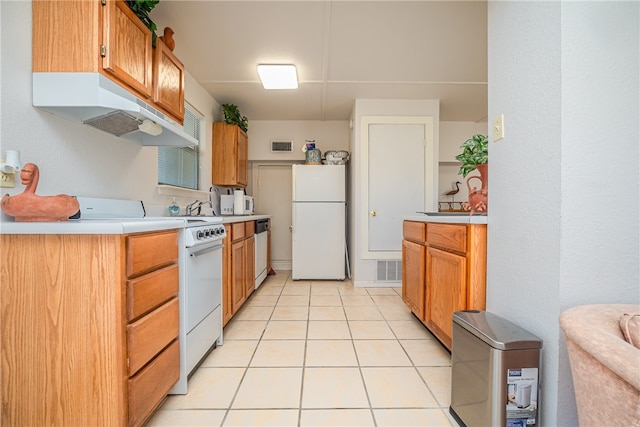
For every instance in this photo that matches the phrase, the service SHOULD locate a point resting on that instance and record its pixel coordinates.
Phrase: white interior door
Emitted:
(398, 152)
(272, 189)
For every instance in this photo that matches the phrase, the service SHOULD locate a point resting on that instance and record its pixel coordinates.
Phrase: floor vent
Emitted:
(389, 271)
(281, 146)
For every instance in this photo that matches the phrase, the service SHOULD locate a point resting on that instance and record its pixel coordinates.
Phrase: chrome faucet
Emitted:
(191, 205)
(196, 206)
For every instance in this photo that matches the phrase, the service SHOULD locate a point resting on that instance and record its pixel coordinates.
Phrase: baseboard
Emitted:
(372, 284)
(281, 265)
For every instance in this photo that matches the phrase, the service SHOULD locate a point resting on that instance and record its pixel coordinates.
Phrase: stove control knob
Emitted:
(200, 235)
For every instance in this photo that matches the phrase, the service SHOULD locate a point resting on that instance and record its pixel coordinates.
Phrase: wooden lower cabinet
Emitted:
(238, 266)
(227, 311)
(447, 291)
(444, 271)
(413, 274)
(238, 275)
(250, 266)
(89, 329)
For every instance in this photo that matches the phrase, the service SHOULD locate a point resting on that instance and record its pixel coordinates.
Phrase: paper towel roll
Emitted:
(238, 202)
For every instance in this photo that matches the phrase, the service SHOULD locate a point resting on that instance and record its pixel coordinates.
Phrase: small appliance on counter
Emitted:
(226, 204)
(242, 204)
(214, 198)
(234, 202)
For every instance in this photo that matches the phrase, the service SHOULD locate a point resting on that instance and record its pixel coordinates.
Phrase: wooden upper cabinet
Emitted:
(168, 81)
(127, 52)
(66, 36)
(230, 155)
(105, 36)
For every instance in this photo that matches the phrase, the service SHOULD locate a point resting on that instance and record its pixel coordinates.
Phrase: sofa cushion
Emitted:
(630, 326)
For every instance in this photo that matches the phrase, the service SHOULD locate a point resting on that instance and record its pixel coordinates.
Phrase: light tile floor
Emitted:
(311, 353)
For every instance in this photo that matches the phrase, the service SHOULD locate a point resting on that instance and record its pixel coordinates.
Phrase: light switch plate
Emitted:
(498, 128)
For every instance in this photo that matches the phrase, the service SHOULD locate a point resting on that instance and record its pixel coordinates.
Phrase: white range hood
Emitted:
(93, 99)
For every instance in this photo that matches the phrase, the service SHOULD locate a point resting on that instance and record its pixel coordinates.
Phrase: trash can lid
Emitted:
(499, 333)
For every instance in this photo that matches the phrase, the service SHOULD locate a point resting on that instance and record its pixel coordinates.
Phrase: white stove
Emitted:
(200, 264)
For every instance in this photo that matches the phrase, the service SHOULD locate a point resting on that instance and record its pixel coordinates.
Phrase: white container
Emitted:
(238, 202)
(226, 204)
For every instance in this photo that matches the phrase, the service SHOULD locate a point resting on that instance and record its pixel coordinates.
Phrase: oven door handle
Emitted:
(206, 250)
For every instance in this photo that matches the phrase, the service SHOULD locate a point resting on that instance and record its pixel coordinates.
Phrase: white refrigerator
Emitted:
(318, 233)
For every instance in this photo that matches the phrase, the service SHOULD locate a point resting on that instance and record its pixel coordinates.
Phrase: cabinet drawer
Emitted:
(452, 237)
(151, 290)
(238, 231)
(414, 231)
(150, 334)
(146, 252)
(249, 228)
(150, 386)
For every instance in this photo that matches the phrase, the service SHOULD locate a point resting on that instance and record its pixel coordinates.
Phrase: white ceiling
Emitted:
(343, 50)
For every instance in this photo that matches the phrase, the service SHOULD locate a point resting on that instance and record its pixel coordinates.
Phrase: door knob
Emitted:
(374, 213)
(291, 228)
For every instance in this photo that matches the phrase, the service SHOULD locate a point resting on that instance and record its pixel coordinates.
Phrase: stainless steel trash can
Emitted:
(495, 371)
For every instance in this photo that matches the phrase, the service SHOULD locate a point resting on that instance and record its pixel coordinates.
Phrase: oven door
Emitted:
(203, 277)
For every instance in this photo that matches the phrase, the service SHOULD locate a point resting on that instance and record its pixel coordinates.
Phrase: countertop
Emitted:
(108, 226)
(464, 218)
(241, 218)
(90, 226)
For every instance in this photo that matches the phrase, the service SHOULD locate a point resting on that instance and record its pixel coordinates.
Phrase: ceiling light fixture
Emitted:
(278, 76)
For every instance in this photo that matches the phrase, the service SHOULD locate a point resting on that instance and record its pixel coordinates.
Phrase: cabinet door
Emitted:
(238, 274)
(250, 283)
(446, 291)
(128, 50)
(413, 275)
(227, 311)
(229, 156)
(168, 81)
(242, 173)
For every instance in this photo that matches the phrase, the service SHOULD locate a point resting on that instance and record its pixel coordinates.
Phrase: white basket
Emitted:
(336, 157)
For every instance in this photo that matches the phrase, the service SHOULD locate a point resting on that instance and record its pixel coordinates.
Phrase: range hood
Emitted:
(93, 99)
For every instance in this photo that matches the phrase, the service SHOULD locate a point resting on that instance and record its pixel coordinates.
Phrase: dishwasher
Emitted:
(261, 249)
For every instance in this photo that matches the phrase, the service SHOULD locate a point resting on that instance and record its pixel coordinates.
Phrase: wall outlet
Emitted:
(498, 128)
(7, 180)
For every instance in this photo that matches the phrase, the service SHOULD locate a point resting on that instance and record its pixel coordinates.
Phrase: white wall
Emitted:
(564, 184)
(73, 158)
(364, 270)
(329, 135)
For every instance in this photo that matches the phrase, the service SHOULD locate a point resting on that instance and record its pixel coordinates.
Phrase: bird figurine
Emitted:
(29, 207)
(167, 38)
(454, 192)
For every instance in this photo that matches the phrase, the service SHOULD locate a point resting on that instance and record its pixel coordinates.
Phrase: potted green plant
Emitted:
(142, 8)
(475, 152)
(475, 155)
(232, 116)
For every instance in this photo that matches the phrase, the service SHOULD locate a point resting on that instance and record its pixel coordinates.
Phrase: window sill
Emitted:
(170, 190)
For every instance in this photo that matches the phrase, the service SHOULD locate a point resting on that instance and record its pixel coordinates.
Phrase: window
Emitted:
(178, 166)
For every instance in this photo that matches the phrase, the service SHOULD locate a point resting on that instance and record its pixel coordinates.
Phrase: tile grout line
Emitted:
(246, 369)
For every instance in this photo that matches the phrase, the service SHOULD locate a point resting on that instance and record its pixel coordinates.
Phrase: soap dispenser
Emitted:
(174, 209)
